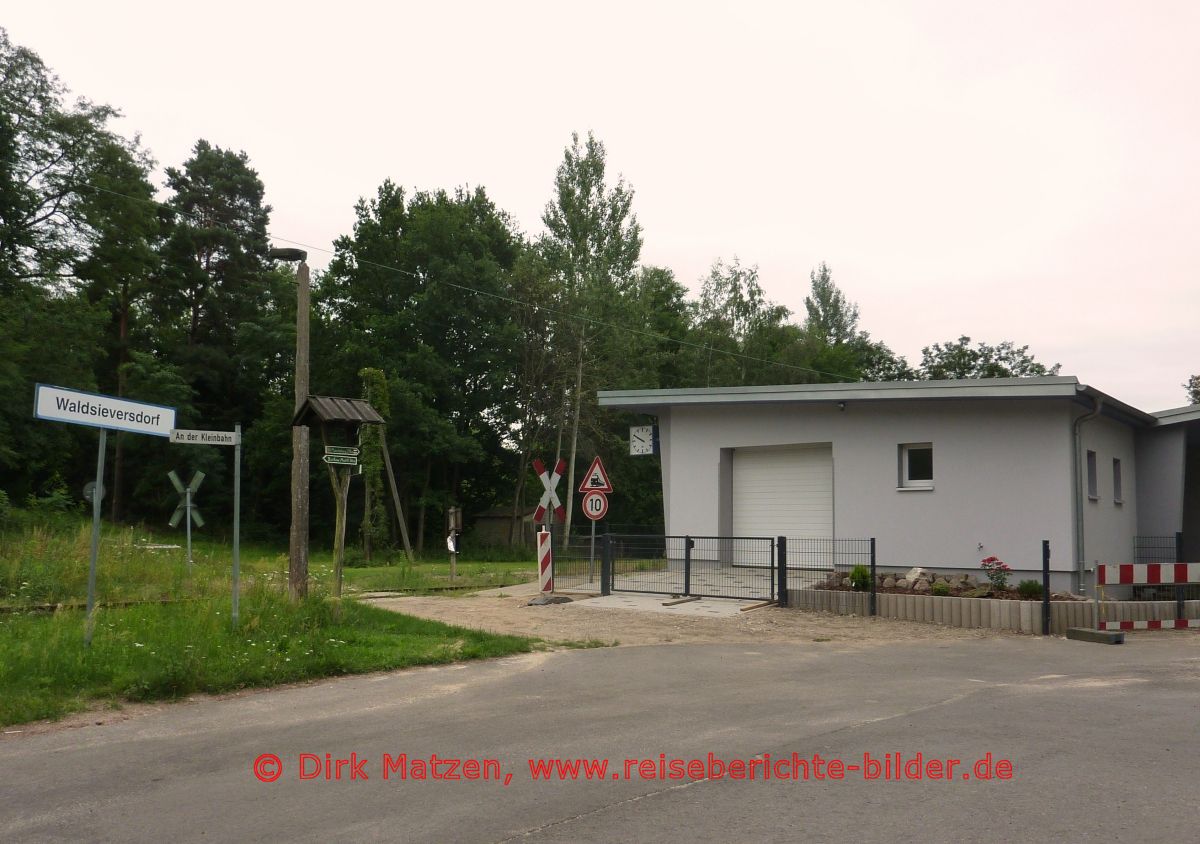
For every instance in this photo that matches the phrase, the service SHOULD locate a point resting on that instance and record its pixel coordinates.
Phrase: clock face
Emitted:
(641, 439)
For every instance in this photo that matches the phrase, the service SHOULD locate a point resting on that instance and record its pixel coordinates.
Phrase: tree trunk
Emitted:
(574, 443)
(367, 526)
(119, 446)
(421, 509)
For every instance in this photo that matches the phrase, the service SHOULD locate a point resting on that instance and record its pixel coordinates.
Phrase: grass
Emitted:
(426, 578)
(154, 650)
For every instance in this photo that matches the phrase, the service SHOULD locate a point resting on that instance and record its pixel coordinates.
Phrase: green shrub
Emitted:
(860, 578)
(942, 589)
(1029, 589)
(5, 508)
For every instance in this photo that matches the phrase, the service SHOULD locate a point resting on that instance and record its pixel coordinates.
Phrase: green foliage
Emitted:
(1193, 389)
(860, 578)
(940, 589)
(1030, 589)
(5, 509)
(957, 359)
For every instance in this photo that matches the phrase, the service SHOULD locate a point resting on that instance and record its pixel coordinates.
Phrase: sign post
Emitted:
(75, 407)
(233, 438)
(595, 505)
(548, 507)
(89, 622)
(185, 509)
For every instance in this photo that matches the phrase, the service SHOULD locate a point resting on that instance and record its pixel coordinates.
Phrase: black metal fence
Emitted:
(1158, 549)
(827, 563)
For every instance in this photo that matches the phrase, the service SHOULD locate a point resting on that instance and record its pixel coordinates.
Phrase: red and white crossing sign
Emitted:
(595, 505)
(549, 499)
(596, 479)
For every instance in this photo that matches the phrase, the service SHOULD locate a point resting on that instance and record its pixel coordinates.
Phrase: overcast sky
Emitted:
(1023, 171)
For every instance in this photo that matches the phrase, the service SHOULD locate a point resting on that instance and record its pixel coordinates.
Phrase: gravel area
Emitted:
(578, 622)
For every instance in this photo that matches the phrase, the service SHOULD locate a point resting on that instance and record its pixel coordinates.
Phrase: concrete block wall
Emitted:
(985, 613)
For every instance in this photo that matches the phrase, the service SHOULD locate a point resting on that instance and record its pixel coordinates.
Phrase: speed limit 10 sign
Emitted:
(595, 505)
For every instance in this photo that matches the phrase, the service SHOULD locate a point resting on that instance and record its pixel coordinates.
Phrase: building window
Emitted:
(1118, 498)
(1093, 491)
(916, 466)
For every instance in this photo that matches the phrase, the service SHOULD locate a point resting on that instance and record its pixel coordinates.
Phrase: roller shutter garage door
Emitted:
(783, 491)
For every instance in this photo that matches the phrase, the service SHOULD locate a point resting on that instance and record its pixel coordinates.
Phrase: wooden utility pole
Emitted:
(298, 536)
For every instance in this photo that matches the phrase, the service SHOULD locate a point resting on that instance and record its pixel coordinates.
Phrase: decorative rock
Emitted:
(942, 580)
(889, 583)
(845, 581)
(980, 592)
(921, 586)
(903, 583)
(969, 580)
(917, 572)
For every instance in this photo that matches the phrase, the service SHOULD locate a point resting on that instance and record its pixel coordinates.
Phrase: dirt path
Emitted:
(578, 622)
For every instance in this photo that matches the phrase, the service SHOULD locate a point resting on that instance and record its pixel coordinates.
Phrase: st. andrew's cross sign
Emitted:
(549, 501)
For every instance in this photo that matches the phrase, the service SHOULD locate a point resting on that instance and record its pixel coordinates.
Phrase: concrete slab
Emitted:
(706, 607)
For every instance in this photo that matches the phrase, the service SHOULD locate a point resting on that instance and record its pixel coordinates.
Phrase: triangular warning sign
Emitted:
(596, 479)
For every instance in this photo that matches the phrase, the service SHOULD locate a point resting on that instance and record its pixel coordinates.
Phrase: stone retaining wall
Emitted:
(1019, 616)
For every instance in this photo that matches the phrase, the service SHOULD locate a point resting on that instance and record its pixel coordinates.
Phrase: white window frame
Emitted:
(905, 483)
(1118, 491)
(1093, 483)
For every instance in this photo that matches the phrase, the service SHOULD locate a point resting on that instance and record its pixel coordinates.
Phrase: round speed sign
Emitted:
(595, 505)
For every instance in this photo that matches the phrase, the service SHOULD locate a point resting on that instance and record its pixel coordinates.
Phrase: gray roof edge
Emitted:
(1177, 415)
(1041, 387)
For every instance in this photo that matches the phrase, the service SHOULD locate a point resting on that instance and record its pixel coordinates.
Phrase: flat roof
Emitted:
(1042, 387)
(1177, 415)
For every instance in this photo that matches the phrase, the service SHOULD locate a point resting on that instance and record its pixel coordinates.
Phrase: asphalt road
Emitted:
(1102, 740)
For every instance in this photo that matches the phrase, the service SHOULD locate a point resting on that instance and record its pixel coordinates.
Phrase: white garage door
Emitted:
(783, 491)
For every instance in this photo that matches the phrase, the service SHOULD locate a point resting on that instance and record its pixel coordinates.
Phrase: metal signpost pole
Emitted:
(96, 496)
(237, 517)
(187, 517)
(592, 553)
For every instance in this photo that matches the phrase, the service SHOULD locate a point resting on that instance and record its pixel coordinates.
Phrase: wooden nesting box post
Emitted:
(339, 420)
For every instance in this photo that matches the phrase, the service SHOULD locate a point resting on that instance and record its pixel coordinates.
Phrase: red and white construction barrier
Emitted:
(545, 561)
(1148, 574)
(1164, 624)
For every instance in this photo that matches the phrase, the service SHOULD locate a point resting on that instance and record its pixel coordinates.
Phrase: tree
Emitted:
(592, 245)
(958, 359)
(1193, 389)
(831, 317)
(46, 155)
(836, 347)
(121, 265)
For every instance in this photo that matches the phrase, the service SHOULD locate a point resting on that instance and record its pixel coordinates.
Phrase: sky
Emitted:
(1023, 171)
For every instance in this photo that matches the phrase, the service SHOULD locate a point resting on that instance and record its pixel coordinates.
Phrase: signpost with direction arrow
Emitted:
(186, 509)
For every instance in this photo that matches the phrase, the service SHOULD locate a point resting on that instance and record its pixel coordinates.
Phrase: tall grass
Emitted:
(154, 652)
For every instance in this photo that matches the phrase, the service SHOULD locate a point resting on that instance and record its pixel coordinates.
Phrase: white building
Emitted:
(941, 473)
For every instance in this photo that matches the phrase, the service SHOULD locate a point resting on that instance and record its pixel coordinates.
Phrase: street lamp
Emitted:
(298, 535)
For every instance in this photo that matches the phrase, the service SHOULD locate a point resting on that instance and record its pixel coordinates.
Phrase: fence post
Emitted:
(1045, 587)
(781, 579)
(606, 565)
(1180, 589)
(874, 588)
(687, 566)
